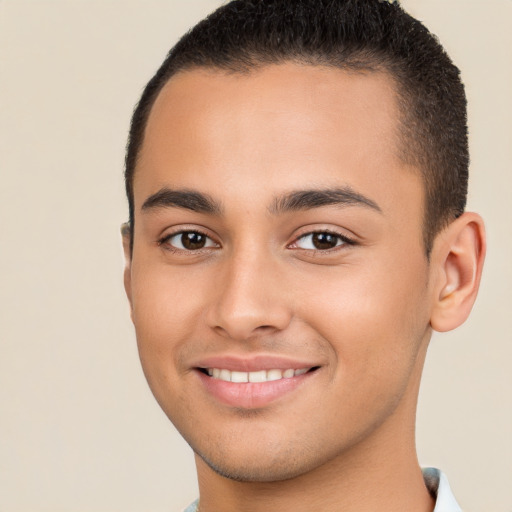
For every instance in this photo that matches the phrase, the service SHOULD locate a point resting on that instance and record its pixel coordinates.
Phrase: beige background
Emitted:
(79, 430)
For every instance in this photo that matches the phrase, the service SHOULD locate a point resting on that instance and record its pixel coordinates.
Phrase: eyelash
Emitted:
(344, 241)
(164, 241)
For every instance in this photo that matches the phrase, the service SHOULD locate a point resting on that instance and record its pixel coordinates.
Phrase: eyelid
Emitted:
(346, 240)
(164, 239)
(178, 230)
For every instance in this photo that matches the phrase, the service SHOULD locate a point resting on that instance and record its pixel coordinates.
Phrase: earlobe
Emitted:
(127, 249)
(458, 254)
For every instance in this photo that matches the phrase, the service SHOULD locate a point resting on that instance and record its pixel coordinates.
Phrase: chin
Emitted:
(261, 473)
(261, 467)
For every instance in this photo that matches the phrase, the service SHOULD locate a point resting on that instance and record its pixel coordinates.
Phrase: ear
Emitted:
(126, 234)
(458, 256)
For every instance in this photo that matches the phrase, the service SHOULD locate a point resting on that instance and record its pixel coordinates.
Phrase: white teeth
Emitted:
(274, 374)
(239, 377)
(259, 376)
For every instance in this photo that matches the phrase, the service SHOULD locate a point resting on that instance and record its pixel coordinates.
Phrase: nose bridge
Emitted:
(251, 296)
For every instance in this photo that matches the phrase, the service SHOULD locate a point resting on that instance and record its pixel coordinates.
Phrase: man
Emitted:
(297, 177)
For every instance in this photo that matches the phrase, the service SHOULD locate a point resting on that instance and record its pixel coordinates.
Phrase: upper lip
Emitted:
(253, 363)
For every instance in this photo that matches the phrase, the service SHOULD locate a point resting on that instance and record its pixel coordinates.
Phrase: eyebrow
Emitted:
(316, 198)
(293, 201)
(186, 199)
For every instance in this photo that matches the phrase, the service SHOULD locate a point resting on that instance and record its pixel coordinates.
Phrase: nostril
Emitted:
(265, 328)
(240, 331)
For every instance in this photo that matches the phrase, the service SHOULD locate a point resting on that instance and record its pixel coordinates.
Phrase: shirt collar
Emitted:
(439, 488)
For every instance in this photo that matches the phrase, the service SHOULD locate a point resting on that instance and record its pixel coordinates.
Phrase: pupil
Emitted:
(324, 240)
(193, 240)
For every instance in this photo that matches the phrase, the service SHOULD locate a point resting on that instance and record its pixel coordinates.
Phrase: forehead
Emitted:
(275, 127)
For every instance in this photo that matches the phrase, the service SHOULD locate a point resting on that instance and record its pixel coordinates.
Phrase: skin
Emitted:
(362, 312)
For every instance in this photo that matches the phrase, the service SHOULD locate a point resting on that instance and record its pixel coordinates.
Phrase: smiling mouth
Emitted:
(255, 377)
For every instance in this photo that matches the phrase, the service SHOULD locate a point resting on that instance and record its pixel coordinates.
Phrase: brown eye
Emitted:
(322, 241)
(189, 241)
(192, 240)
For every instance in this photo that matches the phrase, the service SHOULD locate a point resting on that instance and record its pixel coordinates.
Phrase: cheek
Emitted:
(165, 310)
(374, 328)
(166, 307)
(164, 297)
(373, 317)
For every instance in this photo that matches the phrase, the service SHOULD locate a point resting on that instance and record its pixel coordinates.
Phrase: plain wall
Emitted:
(79, 429)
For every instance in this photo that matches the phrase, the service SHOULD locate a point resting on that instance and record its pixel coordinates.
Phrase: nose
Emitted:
(250, 300)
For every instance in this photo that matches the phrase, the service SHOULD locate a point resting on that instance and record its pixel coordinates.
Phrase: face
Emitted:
(279, 285)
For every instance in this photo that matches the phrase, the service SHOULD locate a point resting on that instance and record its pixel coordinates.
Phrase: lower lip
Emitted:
(251, 395)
